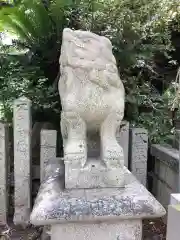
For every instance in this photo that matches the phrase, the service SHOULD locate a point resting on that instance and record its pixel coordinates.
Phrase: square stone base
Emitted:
(110, 213)
(123, 230)
(94, 175)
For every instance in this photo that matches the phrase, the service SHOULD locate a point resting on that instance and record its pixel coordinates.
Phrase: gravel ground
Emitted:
(30, 233)
(152, 230)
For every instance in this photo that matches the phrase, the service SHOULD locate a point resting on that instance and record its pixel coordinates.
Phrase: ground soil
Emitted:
(154, 229)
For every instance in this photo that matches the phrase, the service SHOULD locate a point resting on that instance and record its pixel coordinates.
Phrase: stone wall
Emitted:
(166, 172)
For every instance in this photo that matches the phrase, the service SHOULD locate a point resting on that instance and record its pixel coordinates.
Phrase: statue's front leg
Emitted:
(74, 138)
(111, 151)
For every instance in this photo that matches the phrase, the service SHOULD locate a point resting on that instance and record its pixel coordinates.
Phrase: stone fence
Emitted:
(25, 153)
(166, 172)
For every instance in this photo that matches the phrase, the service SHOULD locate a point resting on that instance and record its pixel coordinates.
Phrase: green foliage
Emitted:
(158, 122)
(39, 29)
(15, 81)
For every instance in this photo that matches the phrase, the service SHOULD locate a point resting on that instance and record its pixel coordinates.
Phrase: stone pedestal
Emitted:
(113, 213)
(127, 229)
(93, 175)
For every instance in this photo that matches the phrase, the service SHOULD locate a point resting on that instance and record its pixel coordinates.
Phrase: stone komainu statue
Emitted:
(92, 96)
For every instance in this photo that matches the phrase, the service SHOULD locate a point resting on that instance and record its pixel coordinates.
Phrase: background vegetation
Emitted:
(145, 37)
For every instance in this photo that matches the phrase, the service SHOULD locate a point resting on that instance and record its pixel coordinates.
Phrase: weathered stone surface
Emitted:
(123, 230)
(165, 177)
(53, 165)
(92, 97)
(4, 172)
(167, 154)
(122, 135)
(123, 140)
(47, 149)
(22, 160)
(54, 204)
(138, 154)
(94, 175)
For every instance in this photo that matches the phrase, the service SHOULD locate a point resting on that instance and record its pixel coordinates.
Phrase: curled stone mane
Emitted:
(98, 62)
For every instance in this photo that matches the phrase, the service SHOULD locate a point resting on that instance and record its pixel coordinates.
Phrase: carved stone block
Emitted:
(138, 156)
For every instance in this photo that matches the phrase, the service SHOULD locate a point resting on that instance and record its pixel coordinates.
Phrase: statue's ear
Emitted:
(67, 30)
(67, 34)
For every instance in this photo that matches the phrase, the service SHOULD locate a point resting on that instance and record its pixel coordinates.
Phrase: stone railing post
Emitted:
(138, 153)
(5, 172)
(47, 149)
(123, 140)
(22, 160)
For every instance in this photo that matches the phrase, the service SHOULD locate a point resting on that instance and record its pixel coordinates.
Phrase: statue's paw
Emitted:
(113, 151)
(113, 156)
(112, 163)
(77, 148)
